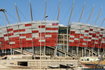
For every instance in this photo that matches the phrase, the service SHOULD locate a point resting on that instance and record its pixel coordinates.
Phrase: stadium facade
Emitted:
(51, 38)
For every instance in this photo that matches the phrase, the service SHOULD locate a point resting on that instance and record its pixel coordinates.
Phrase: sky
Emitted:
(65, 9)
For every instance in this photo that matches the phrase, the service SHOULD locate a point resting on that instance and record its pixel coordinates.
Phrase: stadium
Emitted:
(52, 38)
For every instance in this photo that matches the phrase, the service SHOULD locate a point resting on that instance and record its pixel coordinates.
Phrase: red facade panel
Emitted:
(10, 29)
(9, 34)
(51, 28)
(42, 26)
(28, 25)
(35, 31)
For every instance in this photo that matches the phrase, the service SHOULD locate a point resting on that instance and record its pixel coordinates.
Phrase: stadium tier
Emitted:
(32, 34)
(46, 33)
(83, 35)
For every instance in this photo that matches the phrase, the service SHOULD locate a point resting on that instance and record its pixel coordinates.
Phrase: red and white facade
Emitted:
(45, 33)
(41, 33)
(82, 35)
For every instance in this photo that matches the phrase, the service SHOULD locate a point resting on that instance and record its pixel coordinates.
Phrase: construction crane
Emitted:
(4, 11)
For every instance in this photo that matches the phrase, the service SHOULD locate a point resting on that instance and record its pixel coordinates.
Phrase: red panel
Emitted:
(72, 44)
(22, 34)
(29, 35)
(91, 29)
(28, 25)
(72, 32)
(51, 28)
(35, 31)
(16, 31)
(54, 24)
(9, 34)
(20, 30)
(42, 26)
(14, 38)
(86, 30)
(101, 29)
(11, 29)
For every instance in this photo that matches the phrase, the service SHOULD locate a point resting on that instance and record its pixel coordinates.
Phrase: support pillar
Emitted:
(82, 52)
(98, 51)
(77, 50)
(55, 51)
(44, 50)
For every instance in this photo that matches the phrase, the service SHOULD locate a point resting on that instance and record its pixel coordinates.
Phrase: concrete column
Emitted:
(98, 51)
(55, 51)
(89, 51)
(44, 50)
(77, 48)
(85, 51)
(82, 52)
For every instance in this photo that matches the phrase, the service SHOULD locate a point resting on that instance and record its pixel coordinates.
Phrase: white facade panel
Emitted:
(22, 37)
(36, 35)
(35, 26)
(76, 39)
(81, 37)
(75, 26)
(28, 30)
(1, 35)
(71, 36)
(85, 39)
(4, 29)
(26, 27)
(16, 33)
(82, 31)
(89, 39)
(11, 42)
(71, 40)
(84, 43)
(15, 27)
(22, 26)
(6, 38)
(51, 31)
(28, 38)
(49, 26)
(22, 32)
(48, 35)
(35, 29)
(10, 31)
(41, 40)
(41, 29)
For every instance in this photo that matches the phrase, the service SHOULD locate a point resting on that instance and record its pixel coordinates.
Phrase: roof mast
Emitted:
(31, 14)
(17, 13)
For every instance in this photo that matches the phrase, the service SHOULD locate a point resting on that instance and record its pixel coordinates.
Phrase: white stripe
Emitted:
(71, 40)
(11, 42)
(51, 30)
(22, 37)
(48, 35)
(28, 38)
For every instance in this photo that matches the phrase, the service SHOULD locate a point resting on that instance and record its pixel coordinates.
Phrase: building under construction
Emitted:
(52, 38)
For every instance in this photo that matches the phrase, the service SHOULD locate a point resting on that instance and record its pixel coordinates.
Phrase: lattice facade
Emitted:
(29, 34)
(82, 35)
